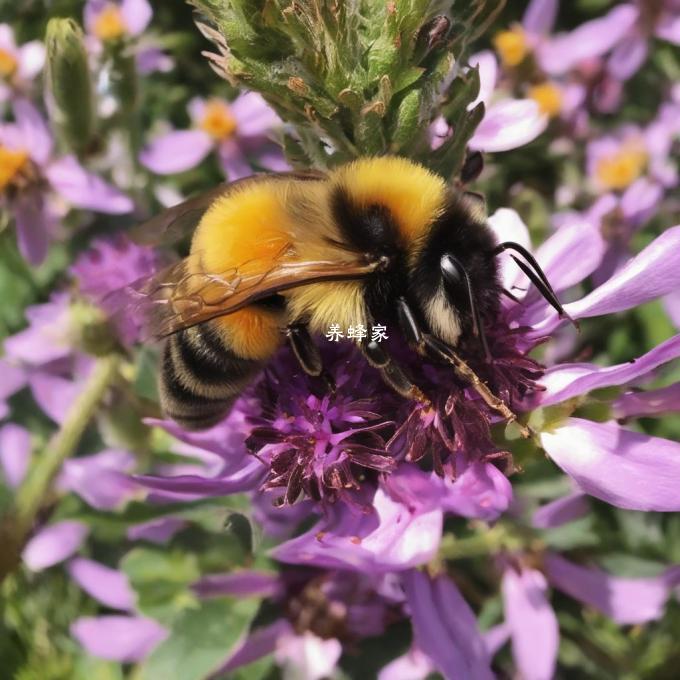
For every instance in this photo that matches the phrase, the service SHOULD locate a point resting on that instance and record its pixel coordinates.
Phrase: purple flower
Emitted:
(532, 622)
(508, 123)
(445, 628)
(103, 272)
(237, 131)
(111, 20)
(654, 19)
(53, 544)
(118, 637)
(19, 65)
(32, 178)
(15, 453)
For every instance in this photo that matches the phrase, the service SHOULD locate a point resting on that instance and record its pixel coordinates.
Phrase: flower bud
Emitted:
(69, 84)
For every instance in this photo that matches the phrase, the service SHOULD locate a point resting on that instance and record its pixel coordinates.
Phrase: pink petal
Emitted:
(86, 190)
(13, 379)
(55, 395)
(495, 637)
(390, 537)
(136, 15)
(539, 16)
(624, 468)
(34, 129)
(661, 402)
(31, 59)
(108, 586)
(259, 643)
(233, 160)
(625, 600)
(508, 226)
(119, 638)
(15, 453)
(591, 39)
(307, 656)
(445, 628)
(156, 531)
(34, 225)
(532, 621)
(651, 274)
(176, 151)
(568, 380)
(254, 117)
(488, 74)
(414, 665)
(101, 480)
(668, 28)
(509, 124)
(53, 544)
(628, 56)
(560, 511)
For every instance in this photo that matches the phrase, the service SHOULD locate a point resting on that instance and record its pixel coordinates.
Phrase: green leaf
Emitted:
(200, 640)
(161, 580)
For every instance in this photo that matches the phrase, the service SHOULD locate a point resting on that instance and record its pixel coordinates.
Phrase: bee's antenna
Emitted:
(536, 276)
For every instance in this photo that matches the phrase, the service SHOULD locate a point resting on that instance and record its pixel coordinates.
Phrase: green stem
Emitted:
(33, 491)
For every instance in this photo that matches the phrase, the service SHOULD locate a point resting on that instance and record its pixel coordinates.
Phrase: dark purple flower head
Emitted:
(105, 269)
(320, 442)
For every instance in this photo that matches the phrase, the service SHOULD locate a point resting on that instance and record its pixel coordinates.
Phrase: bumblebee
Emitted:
(283, 256)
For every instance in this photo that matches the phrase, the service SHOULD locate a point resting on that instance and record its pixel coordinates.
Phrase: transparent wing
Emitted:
(183, 295)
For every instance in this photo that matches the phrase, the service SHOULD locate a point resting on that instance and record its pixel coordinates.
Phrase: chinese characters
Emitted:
(378, 332)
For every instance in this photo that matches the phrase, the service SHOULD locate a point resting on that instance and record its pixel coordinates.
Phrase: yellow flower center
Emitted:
(512, 46)
(218, 120)
(109, 24)
(11, 164)
(548, 97)
(8, 64)
(621, 169)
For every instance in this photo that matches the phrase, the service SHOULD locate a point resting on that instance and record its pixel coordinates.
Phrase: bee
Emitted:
(279, 257)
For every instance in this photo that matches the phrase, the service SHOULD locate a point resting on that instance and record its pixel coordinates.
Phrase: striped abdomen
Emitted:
(200, 377)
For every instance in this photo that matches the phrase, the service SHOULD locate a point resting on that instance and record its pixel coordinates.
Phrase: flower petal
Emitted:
(539, 16)
(652, 273)
(509, 124)
(307, 656)
(259, 643)
(15, 453)
(488, 74)
(34, 225)
(55, 395)
(664, 401)
(628, 56)
(532, 621)
(108, 586)
(591, 39)
(560, 511)
(233, 160)
(53, 544)
(101, 479)
(31, 59)
(625, 600)
(445, 628)
(569, 380)
(626, 469)
(414, 665)
(392, 536)
(34, 130)
(157, 530)
(136, 14)
(118, 638)
(84, 189)
(508, 226)
(253, 115)
(176, 151)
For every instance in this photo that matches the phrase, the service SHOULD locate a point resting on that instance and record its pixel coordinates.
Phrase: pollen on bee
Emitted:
(109, 24)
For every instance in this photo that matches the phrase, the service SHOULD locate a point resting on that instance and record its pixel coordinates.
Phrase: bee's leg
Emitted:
(392, 373)
(425, 343)
(307, 353)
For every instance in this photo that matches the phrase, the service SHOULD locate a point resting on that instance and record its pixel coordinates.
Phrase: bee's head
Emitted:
(454, 277)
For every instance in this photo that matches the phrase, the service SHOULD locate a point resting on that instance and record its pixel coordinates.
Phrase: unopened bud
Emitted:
(69, 84)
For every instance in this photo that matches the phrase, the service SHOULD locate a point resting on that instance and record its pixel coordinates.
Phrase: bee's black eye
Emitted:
(452, 270)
